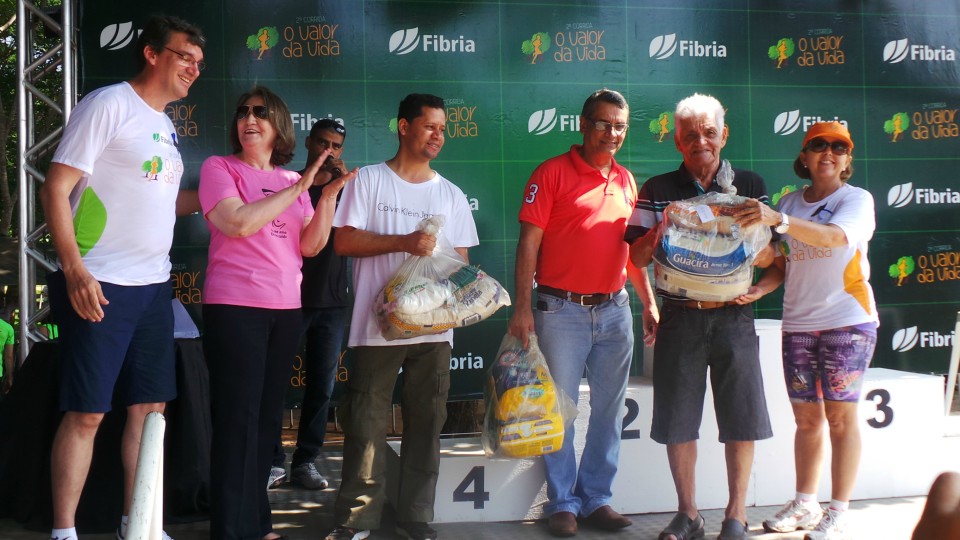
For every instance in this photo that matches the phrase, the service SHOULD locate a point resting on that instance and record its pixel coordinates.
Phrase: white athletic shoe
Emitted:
(794, 516)
(831, 527)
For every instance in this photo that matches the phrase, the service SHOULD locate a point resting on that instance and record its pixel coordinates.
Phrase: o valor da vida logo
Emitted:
(820, 47)
(308, 36)
(940, 265)
(578, 42)
(461, 119)
(931, 121)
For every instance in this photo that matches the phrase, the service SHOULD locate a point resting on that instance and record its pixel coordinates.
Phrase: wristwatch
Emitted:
(784, 224)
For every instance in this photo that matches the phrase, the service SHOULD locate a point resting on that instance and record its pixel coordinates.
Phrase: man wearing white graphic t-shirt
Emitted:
(377, 219)
(110, 199)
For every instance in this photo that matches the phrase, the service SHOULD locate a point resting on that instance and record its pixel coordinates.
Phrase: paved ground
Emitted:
(303, 514)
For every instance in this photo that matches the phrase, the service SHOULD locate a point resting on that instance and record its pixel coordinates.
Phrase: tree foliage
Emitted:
(903, 268)
(272, 37)
(45, 120)
(898, 123)
(788, 49)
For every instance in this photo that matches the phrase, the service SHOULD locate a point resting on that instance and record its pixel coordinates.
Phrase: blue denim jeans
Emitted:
(599, 340)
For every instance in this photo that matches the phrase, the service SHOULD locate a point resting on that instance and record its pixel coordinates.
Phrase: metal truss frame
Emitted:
(34, 64)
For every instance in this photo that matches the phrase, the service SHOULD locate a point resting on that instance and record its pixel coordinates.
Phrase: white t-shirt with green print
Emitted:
(124, 206)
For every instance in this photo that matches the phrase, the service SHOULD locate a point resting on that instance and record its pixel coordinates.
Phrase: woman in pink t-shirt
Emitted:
(261, 224)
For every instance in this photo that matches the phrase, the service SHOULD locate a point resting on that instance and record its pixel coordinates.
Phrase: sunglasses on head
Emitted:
(260, 111)
(819, 145)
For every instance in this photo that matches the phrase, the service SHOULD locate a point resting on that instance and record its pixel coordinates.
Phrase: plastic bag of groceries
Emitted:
(526, 414)
(430, 295)
(701, 252)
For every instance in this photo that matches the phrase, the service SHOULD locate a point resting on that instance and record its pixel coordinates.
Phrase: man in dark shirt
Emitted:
(694, 335)
(324, 293)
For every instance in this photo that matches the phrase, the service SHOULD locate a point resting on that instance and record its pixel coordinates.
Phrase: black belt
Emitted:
(576, 298)
(699, 304)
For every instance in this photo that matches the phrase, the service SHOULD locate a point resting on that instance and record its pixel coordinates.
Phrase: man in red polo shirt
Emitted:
(572, 223)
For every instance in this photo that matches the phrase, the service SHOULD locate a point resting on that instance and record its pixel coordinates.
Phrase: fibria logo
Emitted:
(820, 48)
(664, 46)
(544, 121)
(408, 40)
(906, 339)
(305, 121)
(662, 125)
(789, 122)
(898, 50)
(903, 194)
(118, 35)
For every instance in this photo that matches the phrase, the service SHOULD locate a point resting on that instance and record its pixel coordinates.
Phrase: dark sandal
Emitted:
(732, 529)
(683, 528)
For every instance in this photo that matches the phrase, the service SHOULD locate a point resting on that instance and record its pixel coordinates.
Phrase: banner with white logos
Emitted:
(515, 74)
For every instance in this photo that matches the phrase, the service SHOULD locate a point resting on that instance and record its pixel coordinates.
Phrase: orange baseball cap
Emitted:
(831, 131)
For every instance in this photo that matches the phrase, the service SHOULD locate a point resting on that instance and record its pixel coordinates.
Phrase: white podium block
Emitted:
(901, 423)
(474, 488)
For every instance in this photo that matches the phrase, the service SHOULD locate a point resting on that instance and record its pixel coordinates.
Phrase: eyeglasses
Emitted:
(187, 59)
(260, 111)
(819, 145)
(603, 125)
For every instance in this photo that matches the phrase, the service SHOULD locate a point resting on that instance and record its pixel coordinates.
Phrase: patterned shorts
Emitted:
(827, 364)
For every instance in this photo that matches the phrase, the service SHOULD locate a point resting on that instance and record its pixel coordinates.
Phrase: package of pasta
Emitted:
(432, 294)
(526, 414)
(702, 253)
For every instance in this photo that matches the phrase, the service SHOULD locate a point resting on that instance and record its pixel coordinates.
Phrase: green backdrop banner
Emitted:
(515, 74)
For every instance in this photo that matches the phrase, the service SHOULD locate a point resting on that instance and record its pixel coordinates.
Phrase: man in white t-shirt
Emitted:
(376, 220)
(110, 199)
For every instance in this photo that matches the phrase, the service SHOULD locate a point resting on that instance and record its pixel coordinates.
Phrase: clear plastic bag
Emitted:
(526, 414)
(702, 253)
(430, 295)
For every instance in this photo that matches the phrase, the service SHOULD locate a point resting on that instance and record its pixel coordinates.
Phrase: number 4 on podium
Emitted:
(478, 496)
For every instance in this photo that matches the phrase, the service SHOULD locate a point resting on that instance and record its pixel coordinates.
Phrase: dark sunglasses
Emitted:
(820, 145)
(260, 111)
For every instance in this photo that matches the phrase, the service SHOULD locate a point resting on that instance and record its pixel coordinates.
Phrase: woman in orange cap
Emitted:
(829, 321)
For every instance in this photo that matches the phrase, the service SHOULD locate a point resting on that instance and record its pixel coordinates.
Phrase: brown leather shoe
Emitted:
(562, 524)
(607, 519)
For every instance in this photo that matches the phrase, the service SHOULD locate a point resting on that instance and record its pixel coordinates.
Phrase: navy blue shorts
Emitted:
(130, 351)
